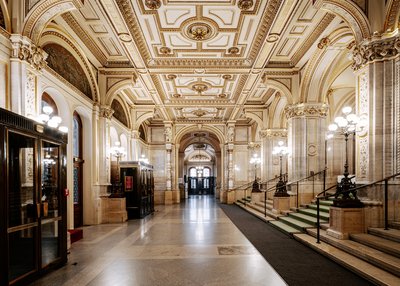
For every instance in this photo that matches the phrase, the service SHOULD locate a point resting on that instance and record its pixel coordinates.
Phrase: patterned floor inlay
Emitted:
(236, 250)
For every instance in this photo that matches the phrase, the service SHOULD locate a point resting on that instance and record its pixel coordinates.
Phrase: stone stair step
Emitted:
(284, 227)
(313, 213)
(395, 225)
(391, 234)
(379, 243)
(261, 204)
(371, 255)
(300, 225)
(307, 218)
(322, 208)
(324, 202)
(364, 269)
(270, 216)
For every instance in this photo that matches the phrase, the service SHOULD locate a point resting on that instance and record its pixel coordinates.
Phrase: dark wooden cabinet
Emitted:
(33, 221)
(138, 186)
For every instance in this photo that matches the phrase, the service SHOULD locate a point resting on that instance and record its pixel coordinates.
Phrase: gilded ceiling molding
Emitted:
(25, 50)
(82, 59)
(209, 63)
(43, 13)
(375, 50)
(316, 33)
(202, 102)
(86, 39)
(264, 26)
(349, 12)
(306, 110)
(392, 15)
(133, 25)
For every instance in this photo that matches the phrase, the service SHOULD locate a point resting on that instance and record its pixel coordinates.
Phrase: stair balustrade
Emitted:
(376, 185)
(312, 178)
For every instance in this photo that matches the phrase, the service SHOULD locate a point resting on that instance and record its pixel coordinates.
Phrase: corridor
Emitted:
(193, 243)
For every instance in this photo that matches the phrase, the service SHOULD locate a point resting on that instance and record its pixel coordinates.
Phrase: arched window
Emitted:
(206, 172)
(192, 172)
(48, 101)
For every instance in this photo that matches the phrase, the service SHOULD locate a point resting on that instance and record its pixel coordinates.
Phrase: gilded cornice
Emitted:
(86, 39)
(307, 110)
(375, 50)
(174, 63)
(88, 69)
(279, 73)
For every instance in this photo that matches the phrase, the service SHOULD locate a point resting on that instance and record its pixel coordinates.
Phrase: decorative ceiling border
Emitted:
(265, 25)
(85, 38)
(133, 25)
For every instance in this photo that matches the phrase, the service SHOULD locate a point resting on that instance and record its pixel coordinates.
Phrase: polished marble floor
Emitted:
(193, 243)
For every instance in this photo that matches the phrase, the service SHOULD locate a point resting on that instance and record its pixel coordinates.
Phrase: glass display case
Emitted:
(32, 204)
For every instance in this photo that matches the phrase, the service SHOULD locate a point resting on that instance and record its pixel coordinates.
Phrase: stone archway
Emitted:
(188, 143)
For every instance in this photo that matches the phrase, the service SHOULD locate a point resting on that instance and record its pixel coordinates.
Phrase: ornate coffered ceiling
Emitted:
(199, 61)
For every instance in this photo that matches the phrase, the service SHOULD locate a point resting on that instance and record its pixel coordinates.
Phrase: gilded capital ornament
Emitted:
(306, 109)
(377, 50)
(106, 111)
(24, 50)
(270, 133)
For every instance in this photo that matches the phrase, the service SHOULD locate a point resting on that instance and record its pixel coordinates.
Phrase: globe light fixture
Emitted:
(347, 124)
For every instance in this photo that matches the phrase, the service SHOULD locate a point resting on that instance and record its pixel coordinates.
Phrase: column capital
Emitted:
(378, 48)
(306, 110)
(24, 50)
(106, 111)
(135, 134)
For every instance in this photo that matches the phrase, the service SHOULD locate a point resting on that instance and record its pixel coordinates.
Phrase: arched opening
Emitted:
(200, 159)
(78, 170)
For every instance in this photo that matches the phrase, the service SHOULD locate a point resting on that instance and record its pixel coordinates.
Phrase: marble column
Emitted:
(104, 162)
(306, 139)
(377, 67)
(270, 139)
(26, 63)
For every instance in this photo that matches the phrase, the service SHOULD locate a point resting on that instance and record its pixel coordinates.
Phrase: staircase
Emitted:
(295, 221)
(374, 255)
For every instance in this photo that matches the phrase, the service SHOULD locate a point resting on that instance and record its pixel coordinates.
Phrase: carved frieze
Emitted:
(273, 133)
(303, 109)
(376, 50)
